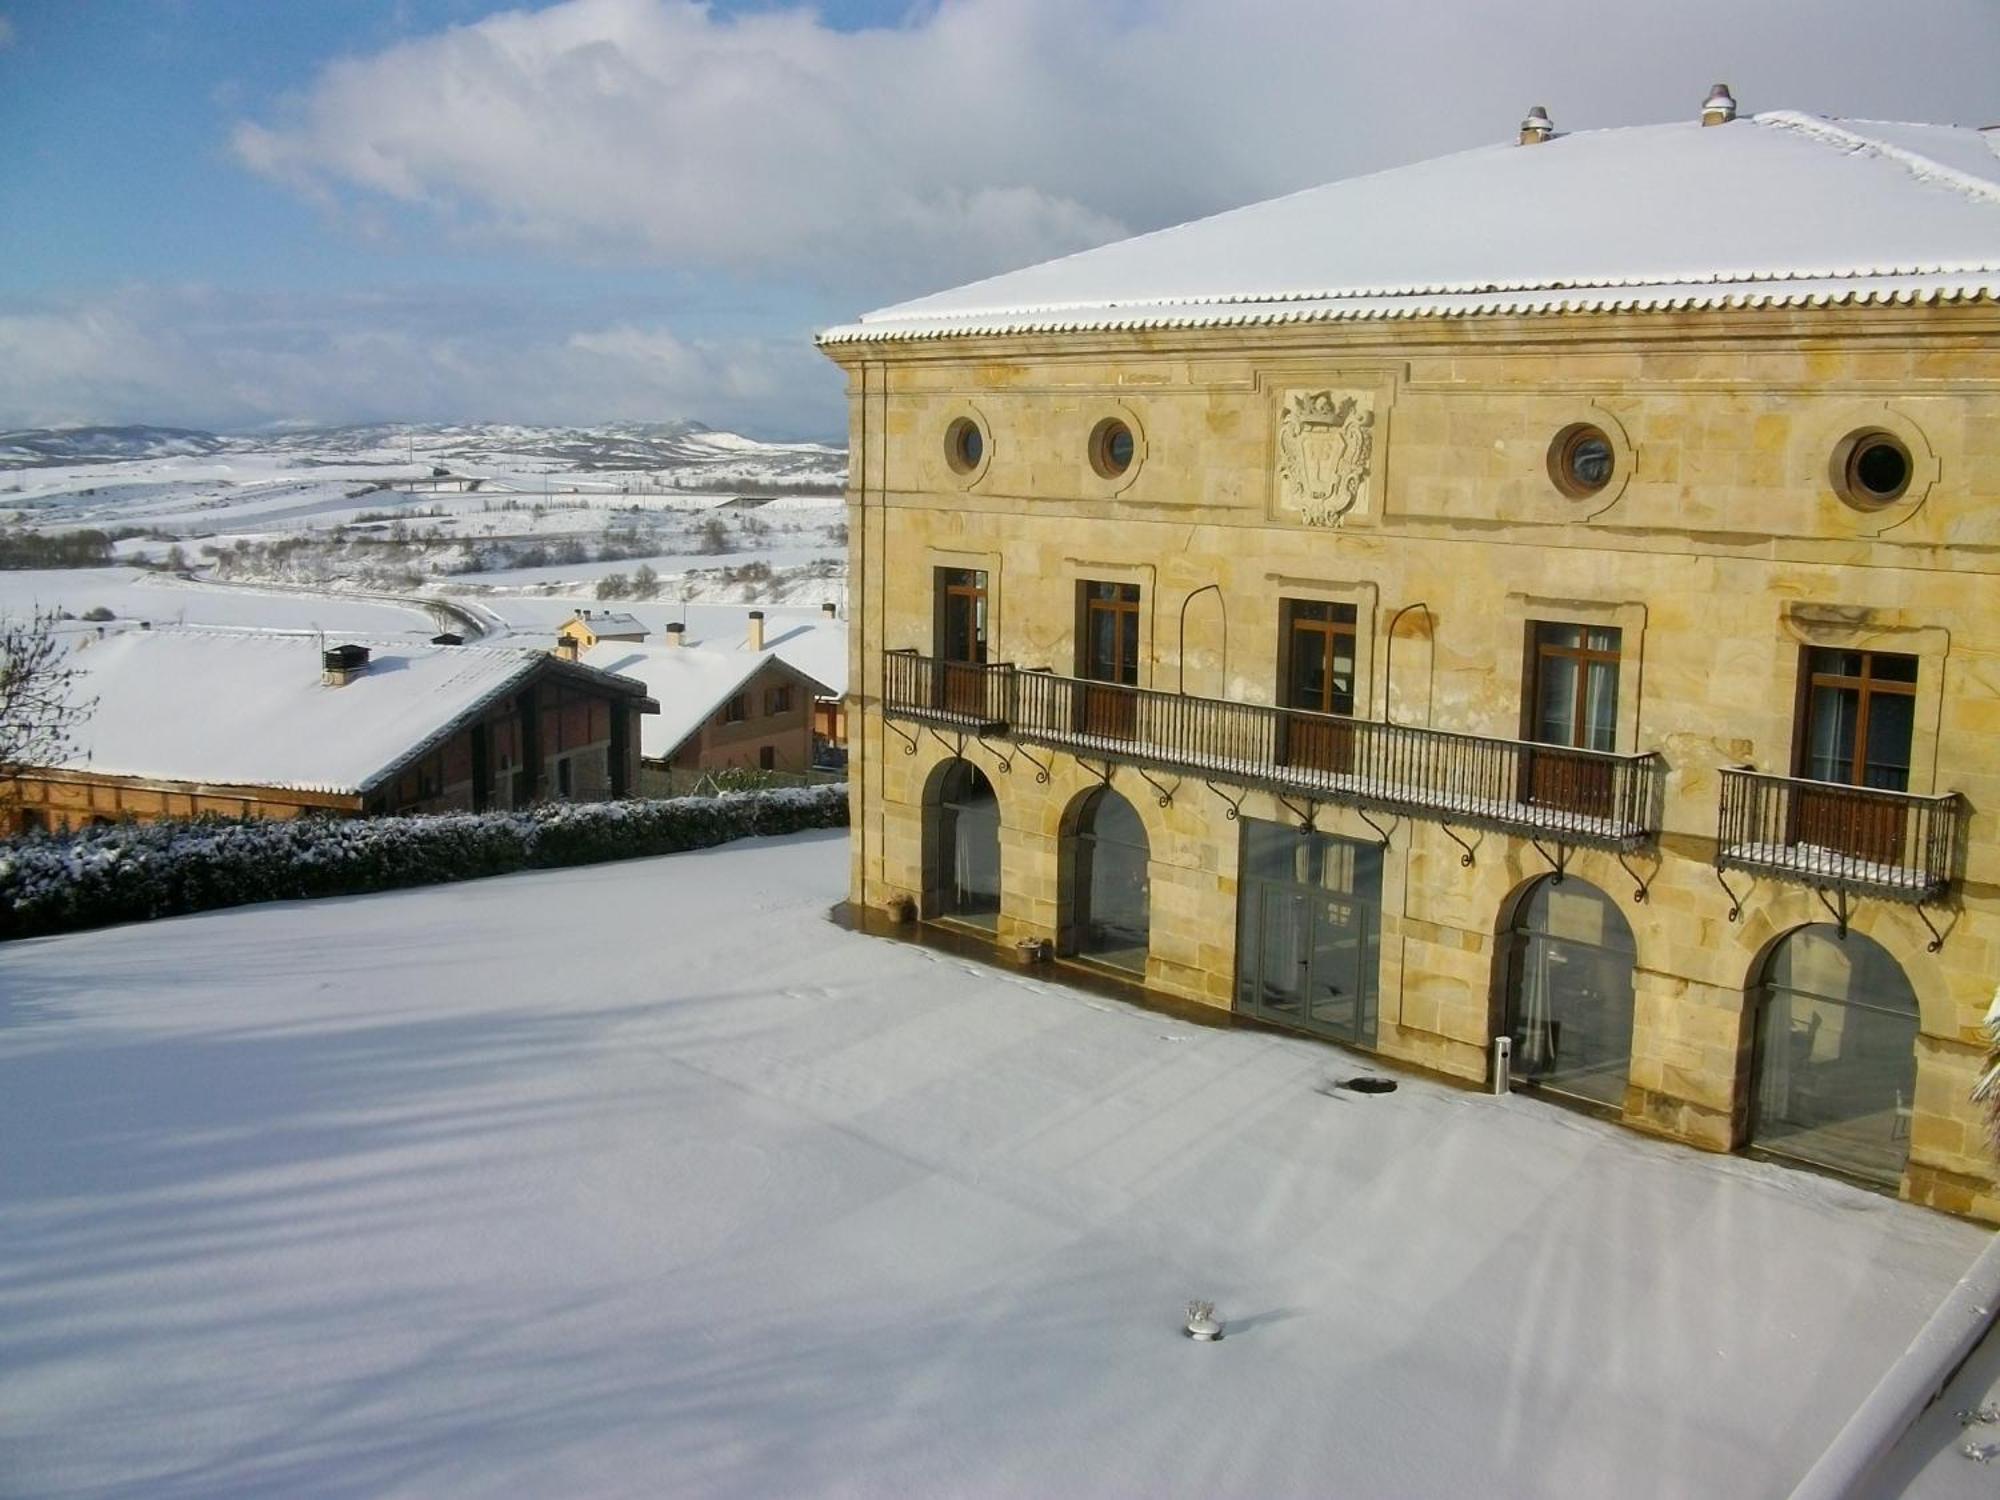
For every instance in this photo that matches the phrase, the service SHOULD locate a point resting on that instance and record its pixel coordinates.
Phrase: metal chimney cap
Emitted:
(1719, 108)
(1536, 126)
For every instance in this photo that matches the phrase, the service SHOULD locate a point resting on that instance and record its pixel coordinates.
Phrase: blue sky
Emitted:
(233, 212)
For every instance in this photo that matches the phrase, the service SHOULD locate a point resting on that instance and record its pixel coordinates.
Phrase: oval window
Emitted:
(964, 445)
(1872, 469)
(1581, 460)
(1112, 448)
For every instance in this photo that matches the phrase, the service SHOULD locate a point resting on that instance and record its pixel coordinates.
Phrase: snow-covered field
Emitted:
(524, 511)
(133, 594)
(645, 1180)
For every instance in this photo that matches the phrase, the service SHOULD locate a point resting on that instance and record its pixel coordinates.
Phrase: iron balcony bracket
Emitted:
(1308, 816)
(1937, 938)
(1837, 911)
(956, 751)
(1558, 862)
(1234, 805)
(1735, 901)
(1464, 859)
(1639, 883)
(909, 740)
(1381, 833)
(1000, 756)
(1166, 793)
(1041, 770)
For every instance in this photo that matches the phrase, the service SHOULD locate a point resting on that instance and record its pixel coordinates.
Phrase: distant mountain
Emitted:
(687, 455)
(38, 447)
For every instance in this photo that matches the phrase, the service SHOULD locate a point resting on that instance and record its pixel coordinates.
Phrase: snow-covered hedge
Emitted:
(128, 872)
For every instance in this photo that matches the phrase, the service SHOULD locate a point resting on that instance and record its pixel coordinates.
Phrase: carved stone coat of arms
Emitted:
(1326, 444)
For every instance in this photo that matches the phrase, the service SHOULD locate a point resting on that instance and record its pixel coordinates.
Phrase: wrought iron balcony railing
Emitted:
(973, 696)
(1849, 838)
(1571, 796)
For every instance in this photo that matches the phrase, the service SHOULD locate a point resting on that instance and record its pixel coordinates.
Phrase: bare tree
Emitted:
(39, 710)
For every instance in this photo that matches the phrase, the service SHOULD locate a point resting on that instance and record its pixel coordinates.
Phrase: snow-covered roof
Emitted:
(690, 683)
(817, 651)
(250, 708)
(815, 647)
(603, 622)
(1781, 209)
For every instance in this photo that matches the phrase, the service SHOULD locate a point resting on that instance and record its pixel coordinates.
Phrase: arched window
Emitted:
(963, 881)
(1109, 892)
(1569, 992)
(1836, 1061)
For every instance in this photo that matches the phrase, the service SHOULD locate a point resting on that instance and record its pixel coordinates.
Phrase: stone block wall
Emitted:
(1721, 551)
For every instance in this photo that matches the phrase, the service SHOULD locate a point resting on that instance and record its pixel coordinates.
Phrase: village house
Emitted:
(814, 650)
(1531, 615)
(720, 708)
(259, 724)
(587, 627)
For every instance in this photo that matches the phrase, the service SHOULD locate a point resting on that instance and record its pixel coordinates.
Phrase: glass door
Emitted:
(1308, 931)
(1860, 711)
(1575, 705)
(960, 686)
(1108, 648)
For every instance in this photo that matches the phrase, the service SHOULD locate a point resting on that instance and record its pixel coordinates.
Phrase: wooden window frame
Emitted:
(1128, 601)
(944, 591)
(1579, 659)
(1866, 687)
(1330, 632)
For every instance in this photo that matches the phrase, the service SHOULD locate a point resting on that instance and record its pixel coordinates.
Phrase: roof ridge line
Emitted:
(857, 333)
(1458, 289)
(1923, 168)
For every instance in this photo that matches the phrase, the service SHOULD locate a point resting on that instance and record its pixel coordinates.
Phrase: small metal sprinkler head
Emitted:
(1202, 1323)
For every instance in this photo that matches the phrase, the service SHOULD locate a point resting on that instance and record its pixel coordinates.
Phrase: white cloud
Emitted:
(196, 357)
(984, 134)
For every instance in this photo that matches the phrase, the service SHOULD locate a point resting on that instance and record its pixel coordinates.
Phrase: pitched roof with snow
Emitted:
(607, 622)
(690, 682)
(1781, 209)
(250, 708)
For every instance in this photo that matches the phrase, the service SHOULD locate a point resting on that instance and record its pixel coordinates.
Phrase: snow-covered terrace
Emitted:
(645, 1180)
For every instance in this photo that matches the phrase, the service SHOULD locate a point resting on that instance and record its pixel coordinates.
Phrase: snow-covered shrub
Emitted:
(128, 872)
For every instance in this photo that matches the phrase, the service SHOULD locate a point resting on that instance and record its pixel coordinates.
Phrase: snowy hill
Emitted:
(38, 447)
(680, 455)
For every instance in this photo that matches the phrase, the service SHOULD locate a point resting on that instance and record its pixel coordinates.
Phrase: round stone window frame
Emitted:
(1824, 441)
(1097, 477)
(1107, 431)
(961, 416)
(1845, 469)
(959, 433)
(1562, 460)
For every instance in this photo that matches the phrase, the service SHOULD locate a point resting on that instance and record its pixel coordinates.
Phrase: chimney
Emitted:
(1719, 108)
(1537, 127)
(756, 630)
(830, 610)
(676, 633)
(340, 665)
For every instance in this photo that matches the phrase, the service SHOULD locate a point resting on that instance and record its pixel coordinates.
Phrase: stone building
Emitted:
(241, 724)
(1544, 593)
